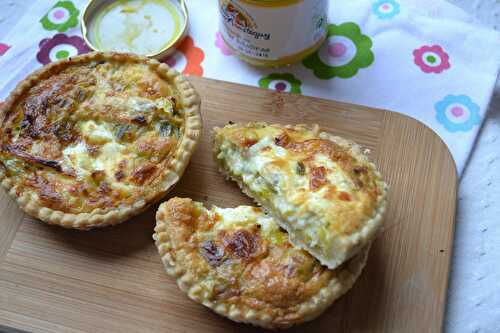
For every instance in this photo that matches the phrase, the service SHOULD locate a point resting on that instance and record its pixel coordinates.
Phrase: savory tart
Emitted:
(239, 263)
(95, 139)
(321, 188)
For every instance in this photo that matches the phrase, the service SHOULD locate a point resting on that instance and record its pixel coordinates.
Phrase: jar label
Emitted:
(267, 31)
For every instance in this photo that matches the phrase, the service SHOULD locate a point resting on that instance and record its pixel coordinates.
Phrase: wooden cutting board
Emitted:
(112, 280)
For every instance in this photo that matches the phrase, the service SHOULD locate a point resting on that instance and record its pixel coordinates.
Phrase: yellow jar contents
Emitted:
(273, 32)
(145, 27)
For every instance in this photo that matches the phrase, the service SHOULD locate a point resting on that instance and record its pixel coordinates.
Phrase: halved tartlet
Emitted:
(95, 139)
(239, 263)
(321, 188)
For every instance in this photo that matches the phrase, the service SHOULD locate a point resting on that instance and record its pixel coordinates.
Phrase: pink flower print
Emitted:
(4, 48)
(60, 46)
(431, 59)
(219, 42)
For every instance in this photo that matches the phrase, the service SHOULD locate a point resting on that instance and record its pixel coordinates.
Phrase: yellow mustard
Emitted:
(273, 32)
(147, 27)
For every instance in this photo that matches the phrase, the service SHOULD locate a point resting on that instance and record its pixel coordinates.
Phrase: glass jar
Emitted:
(273, 32)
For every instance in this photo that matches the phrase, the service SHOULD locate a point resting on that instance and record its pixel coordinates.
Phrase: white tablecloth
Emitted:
(474, 294)
(474, 291)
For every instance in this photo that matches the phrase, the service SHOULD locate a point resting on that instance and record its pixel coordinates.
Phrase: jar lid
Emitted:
(147, 27)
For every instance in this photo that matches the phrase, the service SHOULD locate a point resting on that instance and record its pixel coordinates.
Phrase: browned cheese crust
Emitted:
(95, 139)
(240, 263)
(321, 188)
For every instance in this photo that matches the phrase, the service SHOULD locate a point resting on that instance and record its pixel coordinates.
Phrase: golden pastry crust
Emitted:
(95, 139)
(321, 188)
(239, 263)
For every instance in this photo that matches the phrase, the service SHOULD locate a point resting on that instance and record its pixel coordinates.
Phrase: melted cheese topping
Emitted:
(319, 189)
(94, 135)
(245, 216)
(240, 257)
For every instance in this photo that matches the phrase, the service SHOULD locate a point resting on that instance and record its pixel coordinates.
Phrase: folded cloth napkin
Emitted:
(424, 58)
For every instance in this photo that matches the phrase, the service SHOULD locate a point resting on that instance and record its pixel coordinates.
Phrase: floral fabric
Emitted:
(430, 62)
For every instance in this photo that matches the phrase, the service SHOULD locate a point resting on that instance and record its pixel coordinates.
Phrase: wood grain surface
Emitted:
(112, 280)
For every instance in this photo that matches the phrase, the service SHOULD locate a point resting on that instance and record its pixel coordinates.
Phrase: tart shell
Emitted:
(349, 245)
(180, 158)
(184, 269)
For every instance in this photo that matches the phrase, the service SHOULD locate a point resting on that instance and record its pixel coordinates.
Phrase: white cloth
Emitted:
(474, 291)
(474, 303)
(429, 60)
(393, 81)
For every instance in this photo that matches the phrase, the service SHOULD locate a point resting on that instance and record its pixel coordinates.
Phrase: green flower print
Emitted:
(345, 52)
(282, 82)
(62, 16)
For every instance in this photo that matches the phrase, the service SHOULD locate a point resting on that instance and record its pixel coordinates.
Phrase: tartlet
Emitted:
(238, 262)
(95, 139)
(321, 188)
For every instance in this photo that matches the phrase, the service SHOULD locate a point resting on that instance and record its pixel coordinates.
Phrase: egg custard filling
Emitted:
(96, 134)
(239, 262)
(321, 189)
